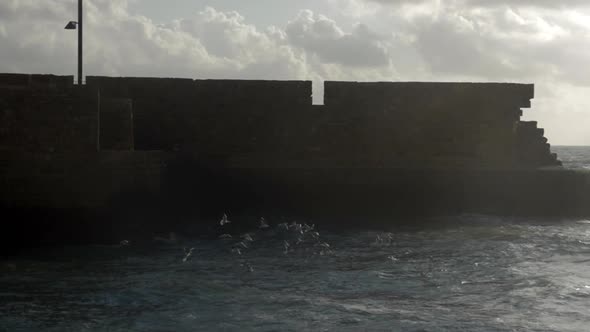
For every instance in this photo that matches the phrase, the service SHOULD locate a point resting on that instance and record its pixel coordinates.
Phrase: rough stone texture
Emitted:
(261, 147)
(44, 113)
(225, 118)
(116, 124)
(273, 124)
(382, 124)
(77, 180)
(80, 198)
(532, 147)
(359, 194)
(36, 81)
(434, 124)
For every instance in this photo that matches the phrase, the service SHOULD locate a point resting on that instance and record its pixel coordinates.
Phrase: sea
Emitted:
(453, 273)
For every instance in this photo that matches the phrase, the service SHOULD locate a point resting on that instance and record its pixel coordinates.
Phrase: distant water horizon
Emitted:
(573, 156)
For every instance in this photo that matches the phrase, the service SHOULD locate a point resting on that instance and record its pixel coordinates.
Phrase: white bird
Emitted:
(188, 254)
(247, 237)
(378, 240)
(225, 236)
(124, 243)
(224, 220)
(263, 224)
(389, 238)
(249, 267)
(242, 244)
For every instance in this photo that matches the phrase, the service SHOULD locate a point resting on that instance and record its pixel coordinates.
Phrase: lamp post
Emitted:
(73, 25)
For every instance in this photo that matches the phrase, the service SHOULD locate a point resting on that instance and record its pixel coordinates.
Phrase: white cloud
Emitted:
(322, 37)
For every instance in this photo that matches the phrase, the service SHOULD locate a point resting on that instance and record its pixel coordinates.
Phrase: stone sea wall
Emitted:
(66, 180)
(226, 118)
(434, 124)
(45, 113)
(381, 124)
(128, 155)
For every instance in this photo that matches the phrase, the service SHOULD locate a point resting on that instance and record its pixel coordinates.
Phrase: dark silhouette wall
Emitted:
(382, 124)
(212, 117)
(260, 146)
(45, 113)
(273, 123)
(437, 124)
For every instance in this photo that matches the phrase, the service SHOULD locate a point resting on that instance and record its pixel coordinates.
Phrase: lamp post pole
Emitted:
(80, 45)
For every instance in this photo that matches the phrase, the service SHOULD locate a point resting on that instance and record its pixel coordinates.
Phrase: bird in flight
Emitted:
(224, 220)
(187, 254)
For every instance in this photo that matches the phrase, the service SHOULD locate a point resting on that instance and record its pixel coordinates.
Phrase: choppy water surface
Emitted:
(575, 157)
(465, 273)
(468, 273)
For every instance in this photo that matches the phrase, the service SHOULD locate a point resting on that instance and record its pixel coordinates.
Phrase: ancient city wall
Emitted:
(65, 180)
(438, 124)
(50, 152)
(176, 145)
(214, 117)
(262, 123)
(382, 124)
(46, 113)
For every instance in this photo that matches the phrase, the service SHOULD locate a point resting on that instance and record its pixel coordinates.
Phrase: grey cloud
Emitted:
(529, 3)
(493, 3)
(322, 37)
(207, 44)
(494, 45)
(11, 10)
(118, 43)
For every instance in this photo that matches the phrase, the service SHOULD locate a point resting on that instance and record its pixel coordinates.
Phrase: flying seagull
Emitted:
(247, 237)
(224, 220)
(188, 254)
(263, 224)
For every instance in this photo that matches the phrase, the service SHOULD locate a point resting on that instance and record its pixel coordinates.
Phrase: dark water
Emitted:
(576, 157)
(464, 273)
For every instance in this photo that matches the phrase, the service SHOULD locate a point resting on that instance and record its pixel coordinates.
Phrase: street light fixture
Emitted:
(73, 25)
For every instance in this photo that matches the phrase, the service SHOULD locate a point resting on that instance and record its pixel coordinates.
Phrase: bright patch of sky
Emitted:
(258, 12)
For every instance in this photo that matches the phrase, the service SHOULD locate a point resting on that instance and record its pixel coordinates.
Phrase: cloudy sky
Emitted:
(546, 42)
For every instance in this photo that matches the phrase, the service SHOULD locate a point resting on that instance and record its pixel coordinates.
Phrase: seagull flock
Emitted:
(288, 237)
(296, 234)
